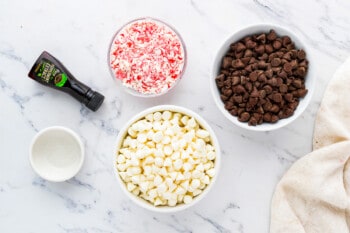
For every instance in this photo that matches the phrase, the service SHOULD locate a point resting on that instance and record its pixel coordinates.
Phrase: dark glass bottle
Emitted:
(49, 71)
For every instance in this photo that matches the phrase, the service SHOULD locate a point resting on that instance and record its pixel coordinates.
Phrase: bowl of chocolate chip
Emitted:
(261, 78)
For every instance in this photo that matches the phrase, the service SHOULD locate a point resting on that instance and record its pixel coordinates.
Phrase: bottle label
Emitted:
(49, 73)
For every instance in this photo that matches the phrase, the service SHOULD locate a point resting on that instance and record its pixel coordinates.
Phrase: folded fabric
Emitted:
(314, 195)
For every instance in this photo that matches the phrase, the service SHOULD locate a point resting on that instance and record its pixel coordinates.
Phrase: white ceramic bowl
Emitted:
(56, 153)
(255, 29)
(140, 201)
(131, 90)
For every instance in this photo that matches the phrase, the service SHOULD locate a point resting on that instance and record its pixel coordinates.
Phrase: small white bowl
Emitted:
(140, 201)
(256, 29)
(56, 153)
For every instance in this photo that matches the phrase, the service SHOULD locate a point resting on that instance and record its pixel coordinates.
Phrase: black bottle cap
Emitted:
(95, 101)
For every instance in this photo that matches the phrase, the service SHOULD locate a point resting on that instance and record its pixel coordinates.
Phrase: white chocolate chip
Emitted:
(157, 180)
(184, 120)
(180, 177)
(173, 175)
(197, 192)
(121, 167)
(166, 115)
(157, 137)
(136, 191)
(152, 193)
(135, 179)
(211, 172)
(158, 202)
(122, 175)
(167, 162)
(132, 133)
(144, 186)
(178, 164)
(166, 140)
(149, 160)
(201, 133)
(200, 167)
(142, 138)
(211, 155)
(159, 153)
(121, 159)
(157, 116)
(162, 188)
(168, 150)
(130, 186)
(185, 184)
(187, 167)
(175, 155)
(191, 123)
(187, 199)
(205, 179)
(158, 161)
(197, 174)
(149, 117)
(172, 187)
(180, 190)
(195, 183)
(172, 202)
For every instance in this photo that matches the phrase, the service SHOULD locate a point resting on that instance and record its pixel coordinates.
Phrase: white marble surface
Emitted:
(78, 33)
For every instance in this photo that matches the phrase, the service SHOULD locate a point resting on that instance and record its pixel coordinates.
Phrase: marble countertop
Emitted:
(79, 33)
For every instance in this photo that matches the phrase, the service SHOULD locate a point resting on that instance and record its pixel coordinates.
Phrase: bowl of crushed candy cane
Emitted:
(167, 158)
(147, 56)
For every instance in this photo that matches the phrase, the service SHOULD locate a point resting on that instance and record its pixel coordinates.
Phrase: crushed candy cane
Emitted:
(147, 56)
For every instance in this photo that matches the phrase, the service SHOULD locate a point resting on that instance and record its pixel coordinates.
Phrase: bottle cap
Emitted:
(95, 101)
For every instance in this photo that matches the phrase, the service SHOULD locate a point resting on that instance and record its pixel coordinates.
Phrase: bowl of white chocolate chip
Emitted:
(167, 158)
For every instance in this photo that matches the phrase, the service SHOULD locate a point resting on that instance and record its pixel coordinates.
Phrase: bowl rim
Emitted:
(173, 108)
(68, 132)
(129, 90)
(250, 30)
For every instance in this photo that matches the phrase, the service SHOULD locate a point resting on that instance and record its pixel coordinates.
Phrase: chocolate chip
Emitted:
(277, 44)
(287, 67)
(237, 63)
(236, 80)
(261, 38)
(283, 88)
(240, 47)
(274, 118)
(297, 83)
(260, 49)
(253, 121)
(254, 76)
(267, 117)
(268, 89)
(301, 71)
(239, 89)
(276, 62)
(250, 44)
(229, 105)
(227, 62)
(262, 78)
(268, 48)
(238, 99)
(244, 117)
(228, 92)
(272, 35)
(248, 53)
(286, 40)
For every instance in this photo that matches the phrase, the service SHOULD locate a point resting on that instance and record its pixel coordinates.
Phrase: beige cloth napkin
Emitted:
(314, 195)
